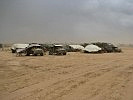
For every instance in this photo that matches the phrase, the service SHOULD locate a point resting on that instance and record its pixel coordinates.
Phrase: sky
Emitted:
(23, 21)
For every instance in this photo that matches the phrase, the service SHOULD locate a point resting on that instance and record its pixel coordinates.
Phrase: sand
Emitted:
(76, 76)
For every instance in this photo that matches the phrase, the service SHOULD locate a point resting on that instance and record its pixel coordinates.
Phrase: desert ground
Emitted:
(76, 76)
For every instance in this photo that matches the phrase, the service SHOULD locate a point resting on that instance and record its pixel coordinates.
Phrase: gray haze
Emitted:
(66, 21)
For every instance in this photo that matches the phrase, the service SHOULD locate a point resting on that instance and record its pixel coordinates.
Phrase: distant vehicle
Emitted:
(18, 46)
(57, 50)
(31, 49)
(35, 49)
(107, 47)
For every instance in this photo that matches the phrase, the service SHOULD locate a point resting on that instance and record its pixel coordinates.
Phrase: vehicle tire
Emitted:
(35, 54)
(64, 53)
(13, 51)
(59, 53)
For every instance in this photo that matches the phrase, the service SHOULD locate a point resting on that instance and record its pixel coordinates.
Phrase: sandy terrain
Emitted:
(77, 76)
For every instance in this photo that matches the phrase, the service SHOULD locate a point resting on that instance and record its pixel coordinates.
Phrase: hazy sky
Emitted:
(66, 21)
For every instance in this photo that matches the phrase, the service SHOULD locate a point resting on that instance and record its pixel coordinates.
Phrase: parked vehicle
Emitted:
(35, 49)
(107, 47)
(57, 50)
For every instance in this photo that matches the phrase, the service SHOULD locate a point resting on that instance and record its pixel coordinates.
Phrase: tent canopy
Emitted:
(92, 48)
(19, 46)
(79, 47)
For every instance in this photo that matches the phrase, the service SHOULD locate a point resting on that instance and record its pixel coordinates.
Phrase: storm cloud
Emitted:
(66, 21)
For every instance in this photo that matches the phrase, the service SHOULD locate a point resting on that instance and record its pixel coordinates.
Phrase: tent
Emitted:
(76, 47)
(18, 46)
(92, 48)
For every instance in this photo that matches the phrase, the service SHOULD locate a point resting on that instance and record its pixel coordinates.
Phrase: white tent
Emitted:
(92, 48)
(78, 47)
(19, 46)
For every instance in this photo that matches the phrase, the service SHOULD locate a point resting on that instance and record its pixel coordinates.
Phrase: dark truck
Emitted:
(35, 49)
(107, 47)
(57, 50)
